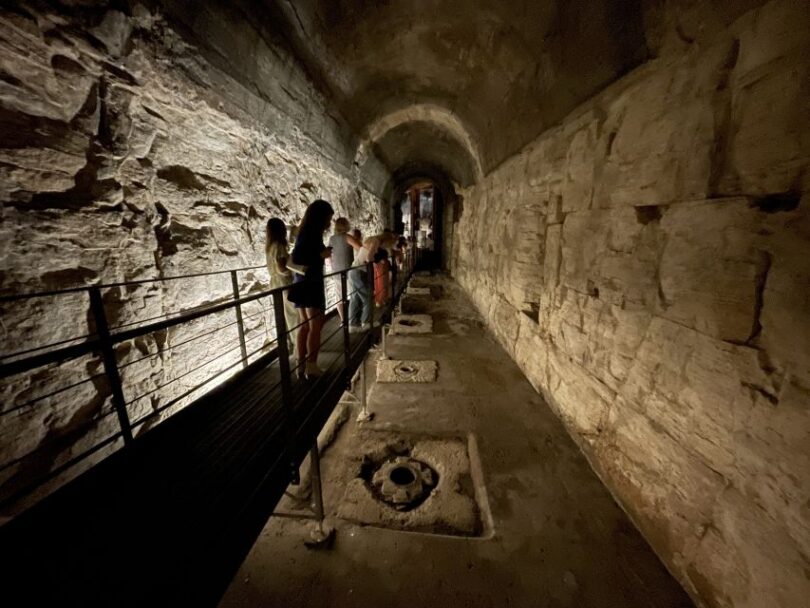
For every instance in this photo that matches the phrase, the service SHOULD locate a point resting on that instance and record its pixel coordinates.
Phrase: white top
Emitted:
(276, 252)
(342, 252)
(367, 251)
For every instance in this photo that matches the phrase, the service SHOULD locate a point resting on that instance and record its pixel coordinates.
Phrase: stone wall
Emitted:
(646, 263)
(130, 152)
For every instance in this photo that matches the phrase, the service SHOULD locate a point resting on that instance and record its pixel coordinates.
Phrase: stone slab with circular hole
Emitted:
(418, 291)
(394, 370)
(412, 324)
(454, 503)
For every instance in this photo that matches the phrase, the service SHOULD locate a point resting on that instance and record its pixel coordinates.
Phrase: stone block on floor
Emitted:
(449, 502)
(418, 291)
(397, 370)
(412, 324)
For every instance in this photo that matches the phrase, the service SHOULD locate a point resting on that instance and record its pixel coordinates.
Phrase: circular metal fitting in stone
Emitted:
(404, 482)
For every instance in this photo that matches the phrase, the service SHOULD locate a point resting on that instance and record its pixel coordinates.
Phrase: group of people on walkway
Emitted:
(303, 271)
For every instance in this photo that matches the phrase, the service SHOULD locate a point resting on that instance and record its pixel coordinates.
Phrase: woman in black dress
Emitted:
(307, 291)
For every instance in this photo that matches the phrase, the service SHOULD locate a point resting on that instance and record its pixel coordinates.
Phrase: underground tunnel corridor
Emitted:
(540, 530)
(586, 357)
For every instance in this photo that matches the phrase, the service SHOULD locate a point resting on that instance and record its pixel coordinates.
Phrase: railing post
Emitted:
(286, 383)
(364, 415)
(110, 363)
(315, 480)
(346, 339)
(240, 324)
(370, 279)
(322, 535)
(394, 272)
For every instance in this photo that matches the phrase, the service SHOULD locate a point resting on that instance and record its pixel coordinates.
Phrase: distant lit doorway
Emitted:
(417, 217)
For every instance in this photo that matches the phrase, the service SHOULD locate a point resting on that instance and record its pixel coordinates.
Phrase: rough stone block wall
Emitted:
(662, 232)
(130, 152)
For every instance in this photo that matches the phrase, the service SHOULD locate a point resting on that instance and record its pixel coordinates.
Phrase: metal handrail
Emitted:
(80, 288)
(91, 344)
(104, 340)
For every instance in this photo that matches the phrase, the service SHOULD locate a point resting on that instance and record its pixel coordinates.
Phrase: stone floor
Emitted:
(558, 538)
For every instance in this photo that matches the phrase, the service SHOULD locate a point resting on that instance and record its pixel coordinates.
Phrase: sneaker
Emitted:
(355, 329)
(313, 371)
(365, 327)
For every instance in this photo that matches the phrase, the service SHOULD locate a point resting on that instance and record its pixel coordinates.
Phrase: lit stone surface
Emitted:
(671, 283)
(406, 370)
(642, 253)
(126, 154)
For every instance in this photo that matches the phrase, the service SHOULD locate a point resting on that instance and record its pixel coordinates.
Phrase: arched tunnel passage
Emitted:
(426, 135)
(616, 192)
(433, 155)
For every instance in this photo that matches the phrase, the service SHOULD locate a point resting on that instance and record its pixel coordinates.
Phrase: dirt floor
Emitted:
(555, 538)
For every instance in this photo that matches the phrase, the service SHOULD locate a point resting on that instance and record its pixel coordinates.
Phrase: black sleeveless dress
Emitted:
(307, 291)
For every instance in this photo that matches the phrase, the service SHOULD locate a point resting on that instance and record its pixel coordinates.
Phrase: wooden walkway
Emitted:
(168, 520)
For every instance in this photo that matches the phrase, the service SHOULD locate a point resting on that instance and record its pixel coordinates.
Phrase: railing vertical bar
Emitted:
(394, 277)
(370, 279)
(110, 362)
(286, 382)
(364, 415)
(240, 324)
(346, 340)
(315, 481)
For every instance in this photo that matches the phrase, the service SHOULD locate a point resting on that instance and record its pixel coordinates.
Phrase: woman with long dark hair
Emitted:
(278, 257)
(307, 292)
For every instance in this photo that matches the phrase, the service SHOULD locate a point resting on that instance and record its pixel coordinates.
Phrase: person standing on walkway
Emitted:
(307, 291)
(382, 284)
(277, 255)
(360, 309)
(361, 285)
(401, 252)
(343, 245)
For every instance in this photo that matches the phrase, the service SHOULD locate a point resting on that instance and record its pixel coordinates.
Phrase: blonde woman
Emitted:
(278, 256)
(343, 245)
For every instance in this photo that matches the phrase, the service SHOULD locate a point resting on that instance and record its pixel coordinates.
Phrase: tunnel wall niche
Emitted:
(130, 150)
(671, 267)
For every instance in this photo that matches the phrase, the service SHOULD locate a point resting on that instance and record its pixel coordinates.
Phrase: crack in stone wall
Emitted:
(674, 309)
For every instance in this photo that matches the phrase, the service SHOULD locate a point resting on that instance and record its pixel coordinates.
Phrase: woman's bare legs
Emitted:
(315, 316)
(301, 337)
